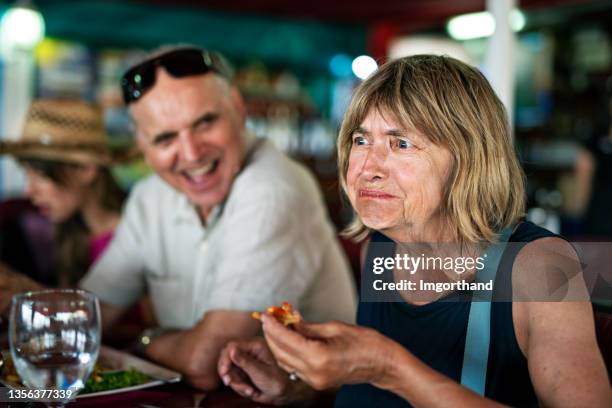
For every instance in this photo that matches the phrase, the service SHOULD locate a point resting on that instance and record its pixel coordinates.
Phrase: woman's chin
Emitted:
(377, 223)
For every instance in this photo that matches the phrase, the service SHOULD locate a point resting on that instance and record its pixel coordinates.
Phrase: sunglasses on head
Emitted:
(179, 63)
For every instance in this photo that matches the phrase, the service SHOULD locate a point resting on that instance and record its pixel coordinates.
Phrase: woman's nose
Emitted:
(375, 163)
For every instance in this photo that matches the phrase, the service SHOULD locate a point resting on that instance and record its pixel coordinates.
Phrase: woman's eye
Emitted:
(401, 143)
(359, 141)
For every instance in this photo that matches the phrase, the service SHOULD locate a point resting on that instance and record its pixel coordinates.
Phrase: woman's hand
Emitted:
(249, 368)
(328, 355)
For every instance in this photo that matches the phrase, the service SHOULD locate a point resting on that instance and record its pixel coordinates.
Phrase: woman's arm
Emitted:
(565, 364)
(416, 382)
(331, 354)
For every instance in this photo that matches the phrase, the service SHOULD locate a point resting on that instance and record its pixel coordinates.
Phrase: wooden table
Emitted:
(178, 395)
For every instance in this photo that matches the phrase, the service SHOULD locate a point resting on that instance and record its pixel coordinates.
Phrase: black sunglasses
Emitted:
(178, 63)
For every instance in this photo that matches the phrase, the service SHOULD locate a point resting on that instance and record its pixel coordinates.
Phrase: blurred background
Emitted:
(298, 62)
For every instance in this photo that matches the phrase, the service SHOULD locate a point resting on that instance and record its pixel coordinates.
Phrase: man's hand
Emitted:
(11, 283)
(249, 368)
(195, 352)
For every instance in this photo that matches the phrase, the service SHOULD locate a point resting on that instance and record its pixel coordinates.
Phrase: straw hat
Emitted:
(64, 130)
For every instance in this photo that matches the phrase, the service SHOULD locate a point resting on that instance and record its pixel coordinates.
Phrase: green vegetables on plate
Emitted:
(101, 381)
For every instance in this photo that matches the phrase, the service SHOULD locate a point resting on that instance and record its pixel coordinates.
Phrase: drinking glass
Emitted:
(55, 340)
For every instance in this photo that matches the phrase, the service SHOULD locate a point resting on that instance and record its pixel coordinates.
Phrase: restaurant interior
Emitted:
(296, 65)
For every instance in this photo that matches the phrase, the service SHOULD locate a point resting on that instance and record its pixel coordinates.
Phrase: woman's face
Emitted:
(55, 201)
(396, 179)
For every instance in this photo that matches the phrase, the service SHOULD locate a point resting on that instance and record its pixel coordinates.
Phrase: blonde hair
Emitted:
(452, 105)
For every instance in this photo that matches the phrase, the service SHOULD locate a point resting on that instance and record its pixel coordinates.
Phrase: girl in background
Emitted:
(66, 156)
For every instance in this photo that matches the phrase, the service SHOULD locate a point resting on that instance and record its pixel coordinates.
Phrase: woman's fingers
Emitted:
(287, 361)
(243, 389)
(224, 363)
(283, 337)
(253, 346)
(319, 330)
(239, 382)
(251, 366)
(258, 348)
(286, 356)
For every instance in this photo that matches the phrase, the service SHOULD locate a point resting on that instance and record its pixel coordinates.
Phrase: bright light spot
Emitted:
(22, 27)
(482, 24)
(364, 66)
(84, 358)
(470, 26)
(517, 20)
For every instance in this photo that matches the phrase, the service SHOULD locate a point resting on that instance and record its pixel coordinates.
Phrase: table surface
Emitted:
(179, 395)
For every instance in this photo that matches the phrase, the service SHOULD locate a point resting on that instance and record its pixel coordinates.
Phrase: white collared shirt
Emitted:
(269, 242)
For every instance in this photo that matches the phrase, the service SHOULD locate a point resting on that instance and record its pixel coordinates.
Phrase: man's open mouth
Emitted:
(200, 174)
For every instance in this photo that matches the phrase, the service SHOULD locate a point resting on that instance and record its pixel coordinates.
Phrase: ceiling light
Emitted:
(363, 66)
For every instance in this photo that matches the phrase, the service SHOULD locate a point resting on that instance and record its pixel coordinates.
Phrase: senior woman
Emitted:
(425, 156)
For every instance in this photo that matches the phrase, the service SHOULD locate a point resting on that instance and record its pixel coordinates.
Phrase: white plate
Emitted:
(119, 360)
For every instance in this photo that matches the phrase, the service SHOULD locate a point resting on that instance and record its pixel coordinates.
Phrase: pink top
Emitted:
(98, 244)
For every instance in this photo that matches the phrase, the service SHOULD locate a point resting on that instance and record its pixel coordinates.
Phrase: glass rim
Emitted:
(34, 293)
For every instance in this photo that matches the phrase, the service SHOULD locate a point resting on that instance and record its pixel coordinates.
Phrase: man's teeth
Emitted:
(202, 170)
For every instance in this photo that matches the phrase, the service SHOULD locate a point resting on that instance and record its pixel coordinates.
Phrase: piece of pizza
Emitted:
(284, 314)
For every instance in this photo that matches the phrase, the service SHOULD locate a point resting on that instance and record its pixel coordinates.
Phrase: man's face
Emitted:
(189, 130)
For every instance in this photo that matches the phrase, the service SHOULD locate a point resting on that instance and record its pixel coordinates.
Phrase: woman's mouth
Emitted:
(375, 194)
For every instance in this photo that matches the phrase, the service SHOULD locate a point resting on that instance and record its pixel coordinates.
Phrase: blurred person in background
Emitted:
(66, 157)
(593, 177)
(425, 155)
(227, 225)
(64, 152)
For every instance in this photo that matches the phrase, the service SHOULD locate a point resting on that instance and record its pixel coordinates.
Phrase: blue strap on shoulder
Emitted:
(478, 337)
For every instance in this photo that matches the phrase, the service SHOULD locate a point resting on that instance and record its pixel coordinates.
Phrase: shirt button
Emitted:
(204, 246)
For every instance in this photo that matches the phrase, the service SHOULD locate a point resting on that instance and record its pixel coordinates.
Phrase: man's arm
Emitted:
(195, 352)
(110, 314)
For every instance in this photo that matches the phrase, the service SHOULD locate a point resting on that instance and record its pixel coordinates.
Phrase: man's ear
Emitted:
(142, 143)
(138, 136)
(238, 103)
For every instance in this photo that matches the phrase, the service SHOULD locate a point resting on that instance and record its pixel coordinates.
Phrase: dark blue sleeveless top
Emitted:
(435, 333)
